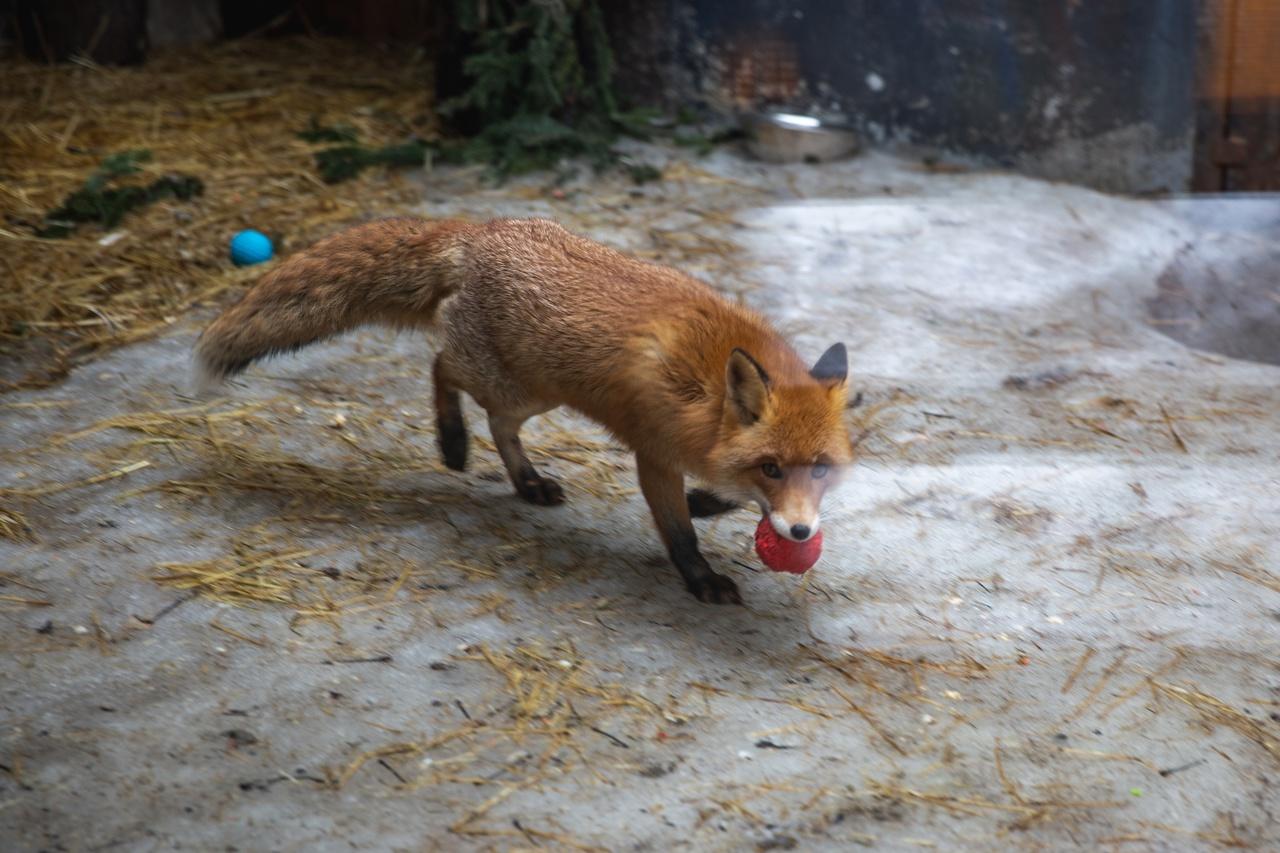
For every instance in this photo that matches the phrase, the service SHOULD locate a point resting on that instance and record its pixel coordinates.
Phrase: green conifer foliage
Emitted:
(540, 84)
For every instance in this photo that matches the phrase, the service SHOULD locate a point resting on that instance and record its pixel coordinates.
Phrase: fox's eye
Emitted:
(819, 471)
(771, 471)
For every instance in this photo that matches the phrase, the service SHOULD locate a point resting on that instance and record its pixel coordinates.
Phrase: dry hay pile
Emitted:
(228, 115)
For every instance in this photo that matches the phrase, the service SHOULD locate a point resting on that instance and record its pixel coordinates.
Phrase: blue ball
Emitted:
(250, 247)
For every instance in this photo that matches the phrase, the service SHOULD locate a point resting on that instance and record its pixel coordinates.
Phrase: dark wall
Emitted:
(1100, 91)
(121, 32)
(113, 32)
(1095, 91)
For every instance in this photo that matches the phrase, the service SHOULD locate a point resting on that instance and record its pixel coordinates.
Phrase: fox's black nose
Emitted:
(800, 531)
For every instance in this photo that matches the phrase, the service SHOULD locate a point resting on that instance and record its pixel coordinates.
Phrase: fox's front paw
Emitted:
(542, 491)
(716, 589)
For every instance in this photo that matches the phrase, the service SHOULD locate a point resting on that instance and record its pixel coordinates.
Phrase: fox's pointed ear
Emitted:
(833, 367)
(746, 387)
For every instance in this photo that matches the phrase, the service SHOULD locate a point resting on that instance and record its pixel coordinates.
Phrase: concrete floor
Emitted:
(1048, 615)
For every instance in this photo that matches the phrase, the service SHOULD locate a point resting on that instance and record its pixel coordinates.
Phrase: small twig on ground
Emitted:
(616, 740)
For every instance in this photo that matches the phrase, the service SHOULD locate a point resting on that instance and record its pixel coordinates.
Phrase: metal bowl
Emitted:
(779, 137)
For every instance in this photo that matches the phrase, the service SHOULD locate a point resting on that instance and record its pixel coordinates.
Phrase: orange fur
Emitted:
(534, 317)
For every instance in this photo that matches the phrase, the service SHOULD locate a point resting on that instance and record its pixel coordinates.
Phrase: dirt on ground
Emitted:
(1047, 616)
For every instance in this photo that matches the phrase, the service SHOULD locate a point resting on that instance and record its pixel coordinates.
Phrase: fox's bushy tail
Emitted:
(393, 272)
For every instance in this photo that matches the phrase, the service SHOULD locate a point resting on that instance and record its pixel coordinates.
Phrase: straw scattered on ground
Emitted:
(14, 525)
(555, 703)
(551, 717)
(228, 114)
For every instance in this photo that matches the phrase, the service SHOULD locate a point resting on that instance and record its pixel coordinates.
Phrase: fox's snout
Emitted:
(794, 512)
(795, 530)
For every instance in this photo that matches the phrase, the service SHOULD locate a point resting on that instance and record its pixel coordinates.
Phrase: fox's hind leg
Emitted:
(467, 364)
(451, 429)
(530, 485)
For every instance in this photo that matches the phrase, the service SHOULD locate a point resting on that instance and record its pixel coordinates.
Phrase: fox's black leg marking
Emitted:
(707, 586)
(664, 491)
(704, 504)
(451, 429)
(451, 432)
(529, 484)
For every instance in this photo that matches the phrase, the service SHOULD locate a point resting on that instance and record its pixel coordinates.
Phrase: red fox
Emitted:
(533, 317)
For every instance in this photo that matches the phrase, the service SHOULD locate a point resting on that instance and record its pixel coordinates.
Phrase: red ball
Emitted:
(783, 555)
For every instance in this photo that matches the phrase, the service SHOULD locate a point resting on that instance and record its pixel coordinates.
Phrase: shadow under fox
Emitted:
(532, 317)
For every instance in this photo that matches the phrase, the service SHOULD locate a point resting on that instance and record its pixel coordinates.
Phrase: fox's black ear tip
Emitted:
(833, 365)
(741, 356)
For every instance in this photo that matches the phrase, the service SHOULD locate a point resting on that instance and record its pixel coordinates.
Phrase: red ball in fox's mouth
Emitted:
(784, 555)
